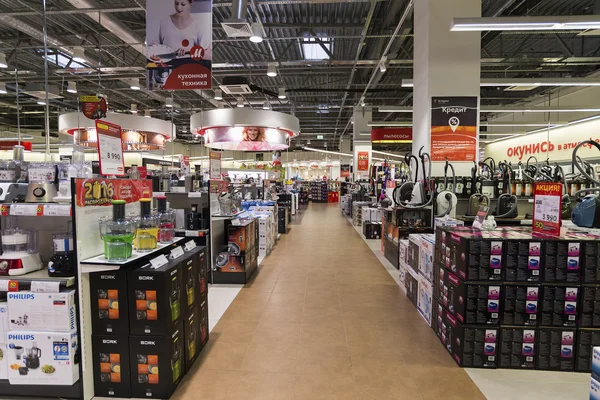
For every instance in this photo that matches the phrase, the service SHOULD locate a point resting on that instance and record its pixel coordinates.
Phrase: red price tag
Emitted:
(547, 203)
(110, 148)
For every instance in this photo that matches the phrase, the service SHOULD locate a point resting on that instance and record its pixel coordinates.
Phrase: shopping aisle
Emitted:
(323, 320)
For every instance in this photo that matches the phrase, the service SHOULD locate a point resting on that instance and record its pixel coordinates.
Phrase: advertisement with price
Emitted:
(110, 148)
(215, 165)
(547, 208)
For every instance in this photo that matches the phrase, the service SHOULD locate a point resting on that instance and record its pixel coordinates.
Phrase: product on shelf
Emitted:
(110, 356)
(42, 358)
(4, 328)
(109, 303)
(192, 219)
(29, 311)
(192, 283)
(62, 263)
(517, 347)
(146, 233)
(521, 305)
(556, 349)
(157, 364)
(166, 221)
(191, 335)
(590, 306)
(559, 306)
(19, 252)
(155, 299)
(117, 233)
(42, 186)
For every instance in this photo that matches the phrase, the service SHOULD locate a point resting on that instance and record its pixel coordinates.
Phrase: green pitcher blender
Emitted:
(117, 233)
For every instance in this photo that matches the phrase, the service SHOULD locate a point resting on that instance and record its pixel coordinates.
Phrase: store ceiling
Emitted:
(320, 93)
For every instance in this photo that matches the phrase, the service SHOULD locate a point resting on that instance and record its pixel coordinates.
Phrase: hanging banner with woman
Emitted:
(179, 44)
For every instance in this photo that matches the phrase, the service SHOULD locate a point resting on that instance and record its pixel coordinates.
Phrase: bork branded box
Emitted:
(471, 303)
(42, 358)
(556, 349)
(109, 303)
(201, 259)
(42, 311)
(191, 338)
(157, 364)
(562, 261)
(517, 347)
(559, 305)
(470, 345)
(521, 304)
(155, 299)
(587, 339)
(590, 307)
(192, 284)
(111, 365)
(204, 334)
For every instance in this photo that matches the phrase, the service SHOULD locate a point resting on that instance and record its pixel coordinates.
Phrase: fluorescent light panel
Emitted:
(541, 82)
(508, 109)
(575, 22)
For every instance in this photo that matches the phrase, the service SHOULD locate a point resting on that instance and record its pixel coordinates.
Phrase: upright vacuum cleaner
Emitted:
(587, 211)
(446, 200)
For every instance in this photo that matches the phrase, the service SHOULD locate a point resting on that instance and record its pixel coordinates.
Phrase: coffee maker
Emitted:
(32, 358)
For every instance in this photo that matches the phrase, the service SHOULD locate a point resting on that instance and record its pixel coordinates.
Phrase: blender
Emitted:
(76, 169)
(166, 221)
(63, 260)
(147, 227)
(19, 252)
(32, 358)
(43, 183)
(117, 233)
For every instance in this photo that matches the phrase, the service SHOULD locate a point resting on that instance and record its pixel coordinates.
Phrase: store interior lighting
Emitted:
(169, 102)
(134, 84)
(257, 36)
(134, 109)
(527, 82)
(78, 54)
(383, 65)
(240, 102)
(508, 109)
(3, 88)
(266, 105)
(543, 23)
(147, 114)
(271, 70)
(218, 94)
(387, 154)
(281, 93)
(327, 152)
(72, 87)
(41, 102)
(3, 63)
(389, 123)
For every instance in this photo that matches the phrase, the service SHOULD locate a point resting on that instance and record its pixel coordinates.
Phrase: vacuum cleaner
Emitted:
(507, 203)
(420, 194)
(446, 200)
(587, 211)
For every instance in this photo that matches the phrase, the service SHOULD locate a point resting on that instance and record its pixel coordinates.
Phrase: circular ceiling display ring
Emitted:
(245, 129)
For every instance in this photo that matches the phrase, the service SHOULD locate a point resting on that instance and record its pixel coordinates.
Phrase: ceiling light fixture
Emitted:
(521, 82)
(282, 93)
(3, 63)
(574, 22)
(3, 88)
(266, 105)
(169, 102)
(257, 36)
(395, 109)
(240, 102)
(388, 154)
(134, 109)
(147, 114)
(78, 54)
(134, 84)
(41, 103)
(218, 94)
(71, 87)
(383, 65)
(327, 151)
(389, 123)
(271, 70)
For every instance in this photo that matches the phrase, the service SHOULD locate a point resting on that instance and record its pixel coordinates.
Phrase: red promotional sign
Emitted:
(9, 144)
(101, 192)
(391, 135)
(454, 128)
(93, 107)
(345, 170)
(547, 208)
(363, 160)
(110, 148)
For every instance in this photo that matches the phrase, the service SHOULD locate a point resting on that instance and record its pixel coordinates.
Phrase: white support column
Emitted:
(445, 64)
(362, 139)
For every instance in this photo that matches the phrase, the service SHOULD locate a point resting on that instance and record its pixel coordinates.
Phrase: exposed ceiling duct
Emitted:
(238, 26)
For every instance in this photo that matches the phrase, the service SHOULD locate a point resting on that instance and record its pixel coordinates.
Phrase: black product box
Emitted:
(192, 284)
(414, 251)
(521, 304)
(110, 354)
(517, 347)
(523, 261)
(157, 364)
(109, 303)
(587, 339)
(472, 303)
(241, 237)
(191, 338)
(591, 266)
(411, 280)
(472, 255)
(372, 230)
(204, 333)
(201, 259)
(228, 263)
(556, 349)
(589, 309)
(562, 261)
(470, 345)
(559, 305)
(155, 299)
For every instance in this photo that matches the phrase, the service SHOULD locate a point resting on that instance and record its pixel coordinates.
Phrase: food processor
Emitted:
(166, 221)
(117, 233)
(19, 252)
(62, 263)
(76, 169)
(146, 234)
(32, 357)
(43, 183)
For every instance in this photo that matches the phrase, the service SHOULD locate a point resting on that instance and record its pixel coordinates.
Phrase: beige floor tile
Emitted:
(331, 333)
(377, 380)
(286, 299)
(269, 332)
(231, 330)
(327, 312)
(283, 313)
(323, 359)
(213, 384)
(244, 312)
(330, 386)
(263, 386)
(223, 356)
(273, 357)
(292, 286)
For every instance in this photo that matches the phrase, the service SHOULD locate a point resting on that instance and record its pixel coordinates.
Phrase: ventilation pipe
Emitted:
(239, 9)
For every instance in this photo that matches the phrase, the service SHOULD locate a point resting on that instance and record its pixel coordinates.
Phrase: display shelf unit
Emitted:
(40, 391)
(191, 233)
(41, 275)
(36, 210)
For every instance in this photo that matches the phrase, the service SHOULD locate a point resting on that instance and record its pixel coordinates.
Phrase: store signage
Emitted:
(10, 144)
(101, 192)
(179, 58)
(555, 144)
(454, 128)
(184, 161)
(482, 213)
(319, 137)
(345, 170)
(246, 138)
(218, 185)
(215, 165)
(93, 107)
(363, 160)
(110, 148)
(547, 200)
(391, 135)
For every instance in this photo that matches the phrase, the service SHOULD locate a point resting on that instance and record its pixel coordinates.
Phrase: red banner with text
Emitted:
(101, 192)
(547, 208)
(363, 160)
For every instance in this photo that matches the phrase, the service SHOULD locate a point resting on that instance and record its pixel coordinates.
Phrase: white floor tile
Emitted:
(219, 299)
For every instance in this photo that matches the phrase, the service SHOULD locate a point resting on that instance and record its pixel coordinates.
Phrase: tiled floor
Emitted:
(322, 320)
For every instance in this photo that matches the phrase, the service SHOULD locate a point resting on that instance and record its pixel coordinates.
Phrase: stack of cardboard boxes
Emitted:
(148, 326)
(40, 338)
(416, 266)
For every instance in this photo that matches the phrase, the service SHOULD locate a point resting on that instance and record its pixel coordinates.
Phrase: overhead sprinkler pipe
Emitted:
(239, 9)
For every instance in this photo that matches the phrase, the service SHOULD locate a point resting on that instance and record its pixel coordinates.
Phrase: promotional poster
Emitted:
(179, 44)
(363, 160)
(344, 170)
(215, 165)
(454, 128)
(246, 138)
